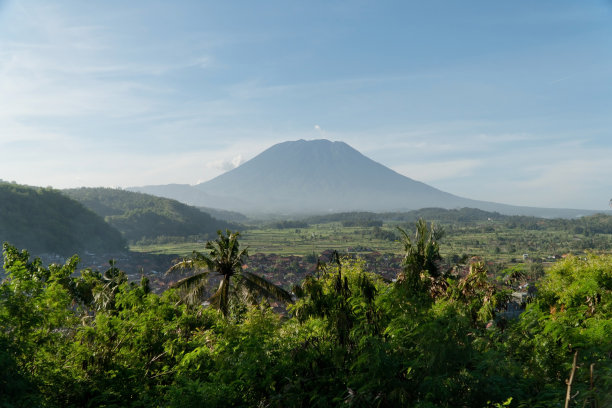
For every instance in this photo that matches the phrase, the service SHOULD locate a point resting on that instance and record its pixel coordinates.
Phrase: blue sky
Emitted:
(499, 101)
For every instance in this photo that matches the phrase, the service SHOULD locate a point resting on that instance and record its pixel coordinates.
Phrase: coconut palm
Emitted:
(421, 269)
(226, 259)
(104, 293)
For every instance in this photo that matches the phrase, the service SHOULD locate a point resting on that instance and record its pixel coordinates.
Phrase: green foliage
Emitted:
(35, 321)
(480, 298)
(341, 295)
(421, 271)
(46, 221)
(572, 312)
(62, 350)
(351, 339)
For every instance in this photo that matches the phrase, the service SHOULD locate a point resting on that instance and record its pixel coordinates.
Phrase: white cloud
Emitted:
(227, 164)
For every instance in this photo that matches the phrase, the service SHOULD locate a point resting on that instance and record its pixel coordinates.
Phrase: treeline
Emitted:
(145, 217)
(587, 225)
(47, 221)
(288, 224)
(433, 338)
(348, 219)
(441, 215)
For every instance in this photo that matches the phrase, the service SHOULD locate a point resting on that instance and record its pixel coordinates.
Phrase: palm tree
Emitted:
(421, 258)
(226, 259)
(105, 292)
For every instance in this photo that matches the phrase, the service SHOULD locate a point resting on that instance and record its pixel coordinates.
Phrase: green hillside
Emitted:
(145, 217)
(46, 221)
(225, 215)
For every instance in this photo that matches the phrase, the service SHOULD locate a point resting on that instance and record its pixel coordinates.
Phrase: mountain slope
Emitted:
(140, 216)
(43, 220)
(323, 176)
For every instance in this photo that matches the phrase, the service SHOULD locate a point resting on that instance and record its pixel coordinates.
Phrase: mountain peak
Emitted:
(320, 144)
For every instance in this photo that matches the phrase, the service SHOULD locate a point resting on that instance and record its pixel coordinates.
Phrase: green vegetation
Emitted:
(148, 219)
(433, 338)
(47, 221)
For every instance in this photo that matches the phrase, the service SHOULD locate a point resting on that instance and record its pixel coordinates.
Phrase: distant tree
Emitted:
(288, 224)
(226, 259)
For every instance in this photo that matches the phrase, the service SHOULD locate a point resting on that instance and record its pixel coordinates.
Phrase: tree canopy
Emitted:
(71, 337)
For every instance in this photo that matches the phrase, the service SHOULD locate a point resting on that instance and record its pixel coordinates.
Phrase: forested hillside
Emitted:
(145, 217)
(46, 221)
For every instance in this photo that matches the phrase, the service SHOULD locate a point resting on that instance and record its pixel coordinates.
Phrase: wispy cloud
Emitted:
(57, 67)
(430, 172)
(553, 176)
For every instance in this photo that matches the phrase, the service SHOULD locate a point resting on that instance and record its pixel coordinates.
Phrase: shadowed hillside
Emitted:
(46, 221)
(142, 216)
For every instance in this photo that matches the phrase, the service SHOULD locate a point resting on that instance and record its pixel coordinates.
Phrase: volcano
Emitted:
(321, 176)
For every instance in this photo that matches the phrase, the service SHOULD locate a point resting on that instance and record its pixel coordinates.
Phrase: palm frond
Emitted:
(243, 293)
(190, 280)
(264, 287)
(220, 299)
(192, 288)
(197, 260)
